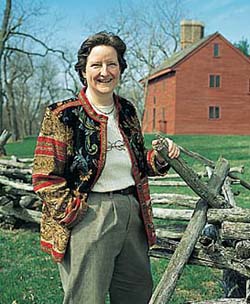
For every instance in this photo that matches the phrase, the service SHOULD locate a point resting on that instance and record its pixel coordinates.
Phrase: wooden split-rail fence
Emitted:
(213, 230)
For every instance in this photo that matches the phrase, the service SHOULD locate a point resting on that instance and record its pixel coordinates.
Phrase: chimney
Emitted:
(191, 31)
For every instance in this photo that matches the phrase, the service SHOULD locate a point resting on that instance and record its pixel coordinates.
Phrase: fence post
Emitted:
(165, 288)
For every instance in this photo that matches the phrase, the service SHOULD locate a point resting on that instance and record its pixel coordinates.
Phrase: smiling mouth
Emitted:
(105, 80)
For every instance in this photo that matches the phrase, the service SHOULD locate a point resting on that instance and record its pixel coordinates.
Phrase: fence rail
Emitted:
(209, 229)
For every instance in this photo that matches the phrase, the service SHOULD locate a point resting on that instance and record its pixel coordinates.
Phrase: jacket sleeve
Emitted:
(154, 168)
(54, 146)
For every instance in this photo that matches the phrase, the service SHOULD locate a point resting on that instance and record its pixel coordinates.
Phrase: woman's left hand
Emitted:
(173, 150)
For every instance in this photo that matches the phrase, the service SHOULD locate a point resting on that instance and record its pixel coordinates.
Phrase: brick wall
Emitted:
(159, 114)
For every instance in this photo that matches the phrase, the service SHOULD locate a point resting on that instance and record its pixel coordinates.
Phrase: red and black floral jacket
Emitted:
(69, 158)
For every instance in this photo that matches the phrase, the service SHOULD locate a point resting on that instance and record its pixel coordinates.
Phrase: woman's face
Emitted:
(102, 70)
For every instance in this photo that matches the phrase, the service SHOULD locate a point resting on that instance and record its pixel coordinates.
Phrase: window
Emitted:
(216, 50)
(154, 116)
(214, 112)
(214, 81)
(163, 114)
(154, 113)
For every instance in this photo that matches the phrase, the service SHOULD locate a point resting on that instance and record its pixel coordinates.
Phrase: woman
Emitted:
(91, 171)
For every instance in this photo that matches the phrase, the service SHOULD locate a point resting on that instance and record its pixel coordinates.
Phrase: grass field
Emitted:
(29, 276)
(24, 148)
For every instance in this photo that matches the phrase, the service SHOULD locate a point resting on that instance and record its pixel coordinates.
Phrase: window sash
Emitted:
(214, 112)
(217, 112)
(217, 81)
(216, 50)
(214, 81)
(211, 81)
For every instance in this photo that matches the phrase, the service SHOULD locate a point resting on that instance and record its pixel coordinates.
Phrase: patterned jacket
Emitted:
(69, 158)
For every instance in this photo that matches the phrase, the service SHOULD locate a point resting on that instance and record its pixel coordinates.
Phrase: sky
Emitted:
(229, 17)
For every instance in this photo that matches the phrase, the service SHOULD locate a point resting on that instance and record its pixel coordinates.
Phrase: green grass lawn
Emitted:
(29, 276)
(24, 148)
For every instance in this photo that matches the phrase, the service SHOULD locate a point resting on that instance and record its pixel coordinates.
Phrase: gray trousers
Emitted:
(108, 253)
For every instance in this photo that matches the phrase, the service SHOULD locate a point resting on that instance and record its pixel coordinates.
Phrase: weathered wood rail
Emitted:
(18, 202)
(221, 301)
(184, 246)
(185, 241)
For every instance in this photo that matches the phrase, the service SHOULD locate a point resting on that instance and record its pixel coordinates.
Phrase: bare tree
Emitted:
(4, 35)
(41, 89)
(20, 44)
(11, 74)
(152, 35)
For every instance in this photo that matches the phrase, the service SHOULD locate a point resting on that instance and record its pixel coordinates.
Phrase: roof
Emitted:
(170, 63)
(177, 57)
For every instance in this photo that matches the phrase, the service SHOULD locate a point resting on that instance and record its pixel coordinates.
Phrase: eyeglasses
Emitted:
(118, 145)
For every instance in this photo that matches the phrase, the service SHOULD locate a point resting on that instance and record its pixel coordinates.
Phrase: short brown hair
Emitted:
(101, 38)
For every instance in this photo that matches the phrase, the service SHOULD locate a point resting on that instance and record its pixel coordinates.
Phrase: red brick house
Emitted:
(202, 89)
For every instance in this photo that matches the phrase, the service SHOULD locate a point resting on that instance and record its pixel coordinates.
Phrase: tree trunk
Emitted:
(13, 111)
(1, 103)
(3, 140)
(3, 36)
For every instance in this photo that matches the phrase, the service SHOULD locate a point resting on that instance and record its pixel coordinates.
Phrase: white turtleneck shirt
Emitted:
(116, 173)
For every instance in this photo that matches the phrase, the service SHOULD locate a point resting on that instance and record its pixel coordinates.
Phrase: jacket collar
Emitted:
(91, 111)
